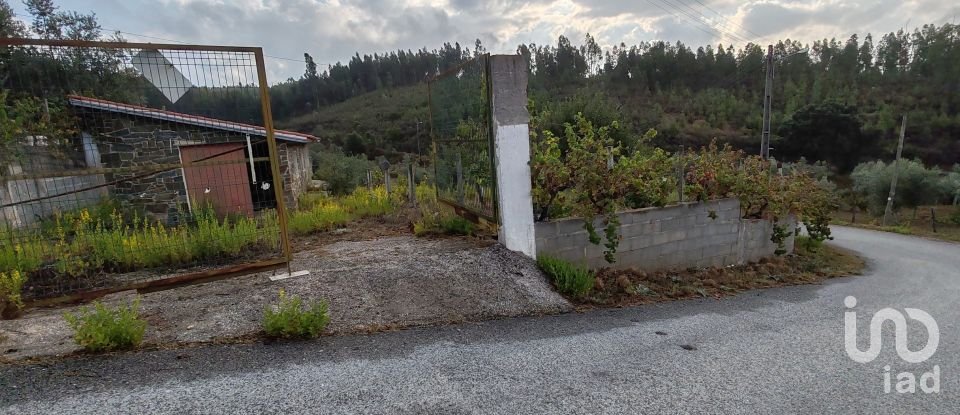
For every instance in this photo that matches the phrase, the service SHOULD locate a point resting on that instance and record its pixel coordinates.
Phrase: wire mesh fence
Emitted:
(131, 165)
(460, 128)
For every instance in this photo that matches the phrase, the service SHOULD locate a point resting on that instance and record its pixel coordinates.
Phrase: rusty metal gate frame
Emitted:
(197, 277)
(467, 212)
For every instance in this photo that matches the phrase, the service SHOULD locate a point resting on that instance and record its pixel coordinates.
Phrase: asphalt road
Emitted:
(773, 351)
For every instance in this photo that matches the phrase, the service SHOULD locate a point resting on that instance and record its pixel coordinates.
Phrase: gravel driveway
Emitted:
(370, 285)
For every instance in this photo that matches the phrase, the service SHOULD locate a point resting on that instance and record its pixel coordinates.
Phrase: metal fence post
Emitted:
(460, 187)
(412, 186)
(274, 155)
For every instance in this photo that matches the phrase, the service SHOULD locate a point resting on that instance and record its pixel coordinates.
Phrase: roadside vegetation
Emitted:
(292, 318)
(927, 201)
(103, 329)
(569, 279)
(436, 219)
(945, 227)
(593, 171)
(811, 263)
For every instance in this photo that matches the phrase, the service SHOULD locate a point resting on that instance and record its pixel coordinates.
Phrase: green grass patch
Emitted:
(81, 243)
(569, 279)
(456, 225)
(103, 329)
(322, 217)
(290, 318)
(319, 213)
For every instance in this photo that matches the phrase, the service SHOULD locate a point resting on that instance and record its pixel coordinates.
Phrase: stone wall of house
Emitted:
(127, 141)
(709, 234)
(296, 170)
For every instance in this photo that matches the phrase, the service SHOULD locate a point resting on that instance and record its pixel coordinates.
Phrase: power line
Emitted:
(678, 18)
(692, 18)
(755, 35)
(719, 26)
(706, 20)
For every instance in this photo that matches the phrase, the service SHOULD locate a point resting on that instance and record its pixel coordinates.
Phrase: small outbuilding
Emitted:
(235, 176)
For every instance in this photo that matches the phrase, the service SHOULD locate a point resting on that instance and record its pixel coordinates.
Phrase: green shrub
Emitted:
(289, 319)
(342, 173)
(102, 329)
(955, 217)
(456, 225)
(917, 185)
(568, 278)
(11, 282)
(808, 244)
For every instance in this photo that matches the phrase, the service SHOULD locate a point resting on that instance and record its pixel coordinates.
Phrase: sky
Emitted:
(333, 30)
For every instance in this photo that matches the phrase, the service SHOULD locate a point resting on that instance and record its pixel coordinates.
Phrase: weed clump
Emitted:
(103, 329)
(569, 279)
(290, 319)
(11, 282)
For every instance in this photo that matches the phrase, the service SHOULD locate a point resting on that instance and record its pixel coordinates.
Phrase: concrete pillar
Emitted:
(511, 138)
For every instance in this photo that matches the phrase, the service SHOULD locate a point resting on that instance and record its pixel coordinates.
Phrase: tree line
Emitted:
(834, 100)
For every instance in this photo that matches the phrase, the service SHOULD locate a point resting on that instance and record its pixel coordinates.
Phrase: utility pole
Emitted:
(767, 99)
(896, 174)
(418, 140)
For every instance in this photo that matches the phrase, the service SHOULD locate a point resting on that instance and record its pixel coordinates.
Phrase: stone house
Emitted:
(235, 176)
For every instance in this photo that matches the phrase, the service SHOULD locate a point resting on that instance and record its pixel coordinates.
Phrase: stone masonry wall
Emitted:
(296, 170)
(709, 234)
(125, 141)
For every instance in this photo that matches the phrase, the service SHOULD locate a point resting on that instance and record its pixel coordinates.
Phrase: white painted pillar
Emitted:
(511, 138)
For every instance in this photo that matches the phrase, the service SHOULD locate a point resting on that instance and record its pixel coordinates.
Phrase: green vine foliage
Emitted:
(779, 237)
(30, 117)
(587, 174)
(764, 193)
(594, 178)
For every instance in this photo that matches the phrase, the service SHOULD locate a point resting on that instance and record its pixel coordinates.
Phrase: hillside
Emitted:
(383, 122)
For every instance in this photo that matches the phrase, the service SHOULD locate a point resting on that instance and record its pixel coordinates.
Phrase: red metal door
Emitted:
(226, 186)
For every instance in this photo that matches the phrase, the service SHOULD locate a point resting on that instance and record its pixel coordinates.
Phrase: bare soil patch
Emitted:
(621, 288)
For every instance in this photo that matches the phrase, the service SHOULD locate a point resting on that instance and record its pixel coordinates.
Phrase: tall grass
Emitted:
(78, 244)
(436, 219)
(319, 213)
(321, 217)
(568, 278)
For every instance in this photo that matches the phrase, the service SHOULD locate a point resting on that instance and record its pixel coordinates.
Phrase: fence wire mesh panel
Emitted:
(460, 128)
(131, 166)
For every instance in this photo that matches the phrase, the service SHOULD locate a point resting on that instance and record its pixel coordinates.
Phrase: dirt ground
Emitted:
(374, 284)
(621, 288)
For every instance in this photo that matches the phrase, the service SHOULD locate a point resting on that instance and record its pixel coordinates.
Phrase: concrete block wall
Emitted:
(708, 234)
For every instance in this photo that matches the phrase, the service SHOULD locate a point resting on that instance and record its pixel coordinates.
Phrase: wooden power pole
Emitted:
(767, 100)
(888, 212)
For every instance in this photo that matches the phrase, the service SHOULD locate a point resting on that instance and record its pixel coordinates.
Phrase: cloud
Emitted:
(333, 30)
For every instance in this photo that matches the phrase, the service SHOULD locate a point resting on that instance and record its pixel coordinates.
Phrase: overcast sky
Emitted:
(333, 30)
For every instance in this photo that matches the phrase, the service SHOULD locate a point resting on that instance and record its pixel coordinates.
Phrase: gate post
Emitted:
(511, 144)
